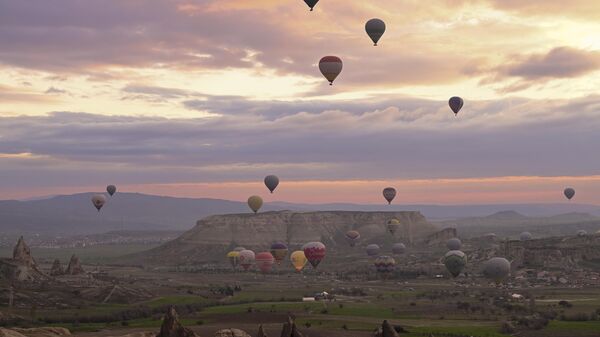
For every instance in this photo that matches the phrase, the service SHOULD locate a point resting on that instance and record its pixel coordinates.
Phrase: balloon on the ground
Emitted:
(454, 244)
(582, 232)
(398, 248)
(455, 261)
(98, 200)
(246, 258)
(373, 250)
(393, 225)
(255, 203)
(375, 29)
(298, 260)
(389, 193)
(569, 193)
(239, 249)
(264, 262)
(279, 250)
(331, 67)
(456, 103)
(497, 269)
(311, 3)
(525, 236)
(233, 258)
(314, 252)
(111, 189)
(271, 182)
(352, 237)
(385, 264)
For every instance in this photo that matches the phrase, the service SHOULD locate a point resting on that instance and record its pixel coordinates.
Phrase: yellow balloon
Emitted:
(298, 260)
(233, 257)
(255, 203)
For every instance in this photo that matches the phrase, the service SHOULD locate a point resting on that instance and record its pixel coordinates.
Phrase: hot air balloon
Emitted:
(393, 225)
(525, 236)
(352, 237)
(569, 193)
(581, 232)
(454, 244)
(98, 200)
(265, 261)
(389, 193)
(497, 269)
(375, 29)
(455, 261)
(233, 258)
(311, 3)
(456, 103)
(111, 189)
(271, 182)
(279, 251)
(385, 264)
(331, 67)
(239, 249)
(298, 260)
(373, 250)
(314, 252)
(246, 258)
(255, 203)
(398, 248)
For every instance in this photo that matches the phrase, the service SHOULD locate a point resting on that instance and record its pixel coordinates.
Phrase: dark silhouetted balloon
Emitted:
(98, 200)
(455, 261)
(389, 193)
(456, 103)
(569, 193)
(111, 189)
(331, 67)
(375, 29)
(311, 3)
(271, 182)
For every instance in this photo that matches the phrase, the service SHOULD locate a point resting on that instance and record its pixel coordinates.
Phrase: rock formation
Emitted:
(22, 253)
(440, 237)
(214, 235)
(386, 330)
(34, 332)
(74, 267)
(231, 333)
(289, 329)
(57, 268)
(171, 326)
(261, 332)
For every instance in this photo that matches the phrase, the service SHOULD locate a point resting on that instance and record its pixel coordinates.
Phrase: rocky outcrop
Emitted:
(171, 326)
(22, 254)
(231, 333)
(289, 329)
(214, 235)
(34, 332)
(57, 268)
(74, 267)
(440, 237)
(386, 330)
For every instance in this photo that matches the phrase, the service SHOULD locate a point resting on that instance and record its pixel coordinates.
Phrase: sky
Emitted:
(205, 98)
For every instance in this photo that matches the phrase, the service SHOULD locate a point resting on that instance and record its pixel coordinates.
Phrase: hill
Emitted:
(213, 236)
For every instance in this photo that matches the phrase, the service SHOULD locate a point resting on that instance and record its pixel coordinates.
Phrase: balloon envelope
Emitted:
(98, 200)
(233, 258)
(393, 225)
(375, 29)
(456, 103)
(246, 258)
(389, 193)
(398, 248)
(373, 250)
(271, 182)
(255, 203)
(454, 244)
(352, 237)
(111, 189)
(525, 236)
(265, 261)
(314, 252)
(279, 251)
(311, 3)
(385, 264)
(497, 269)
(569, 193)
(455, 261)
(298, 260)
(331, 67)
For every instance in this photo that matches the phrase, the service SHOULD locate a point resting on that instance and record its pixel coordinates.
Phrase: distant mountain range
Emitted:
(74, 214)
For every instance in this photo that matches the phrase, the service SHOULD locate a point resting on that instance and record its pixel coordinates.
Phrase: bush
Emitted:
(565, 304)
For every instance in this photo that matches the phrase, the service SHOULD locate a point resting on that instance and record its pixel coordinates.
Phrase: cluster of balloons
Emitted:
(312, 252)
(98, 200)
(497, 269)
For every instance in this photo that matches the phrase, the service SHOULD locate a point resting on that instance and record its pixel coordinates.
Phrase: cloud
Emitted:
(53, 90)
(560, 62)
